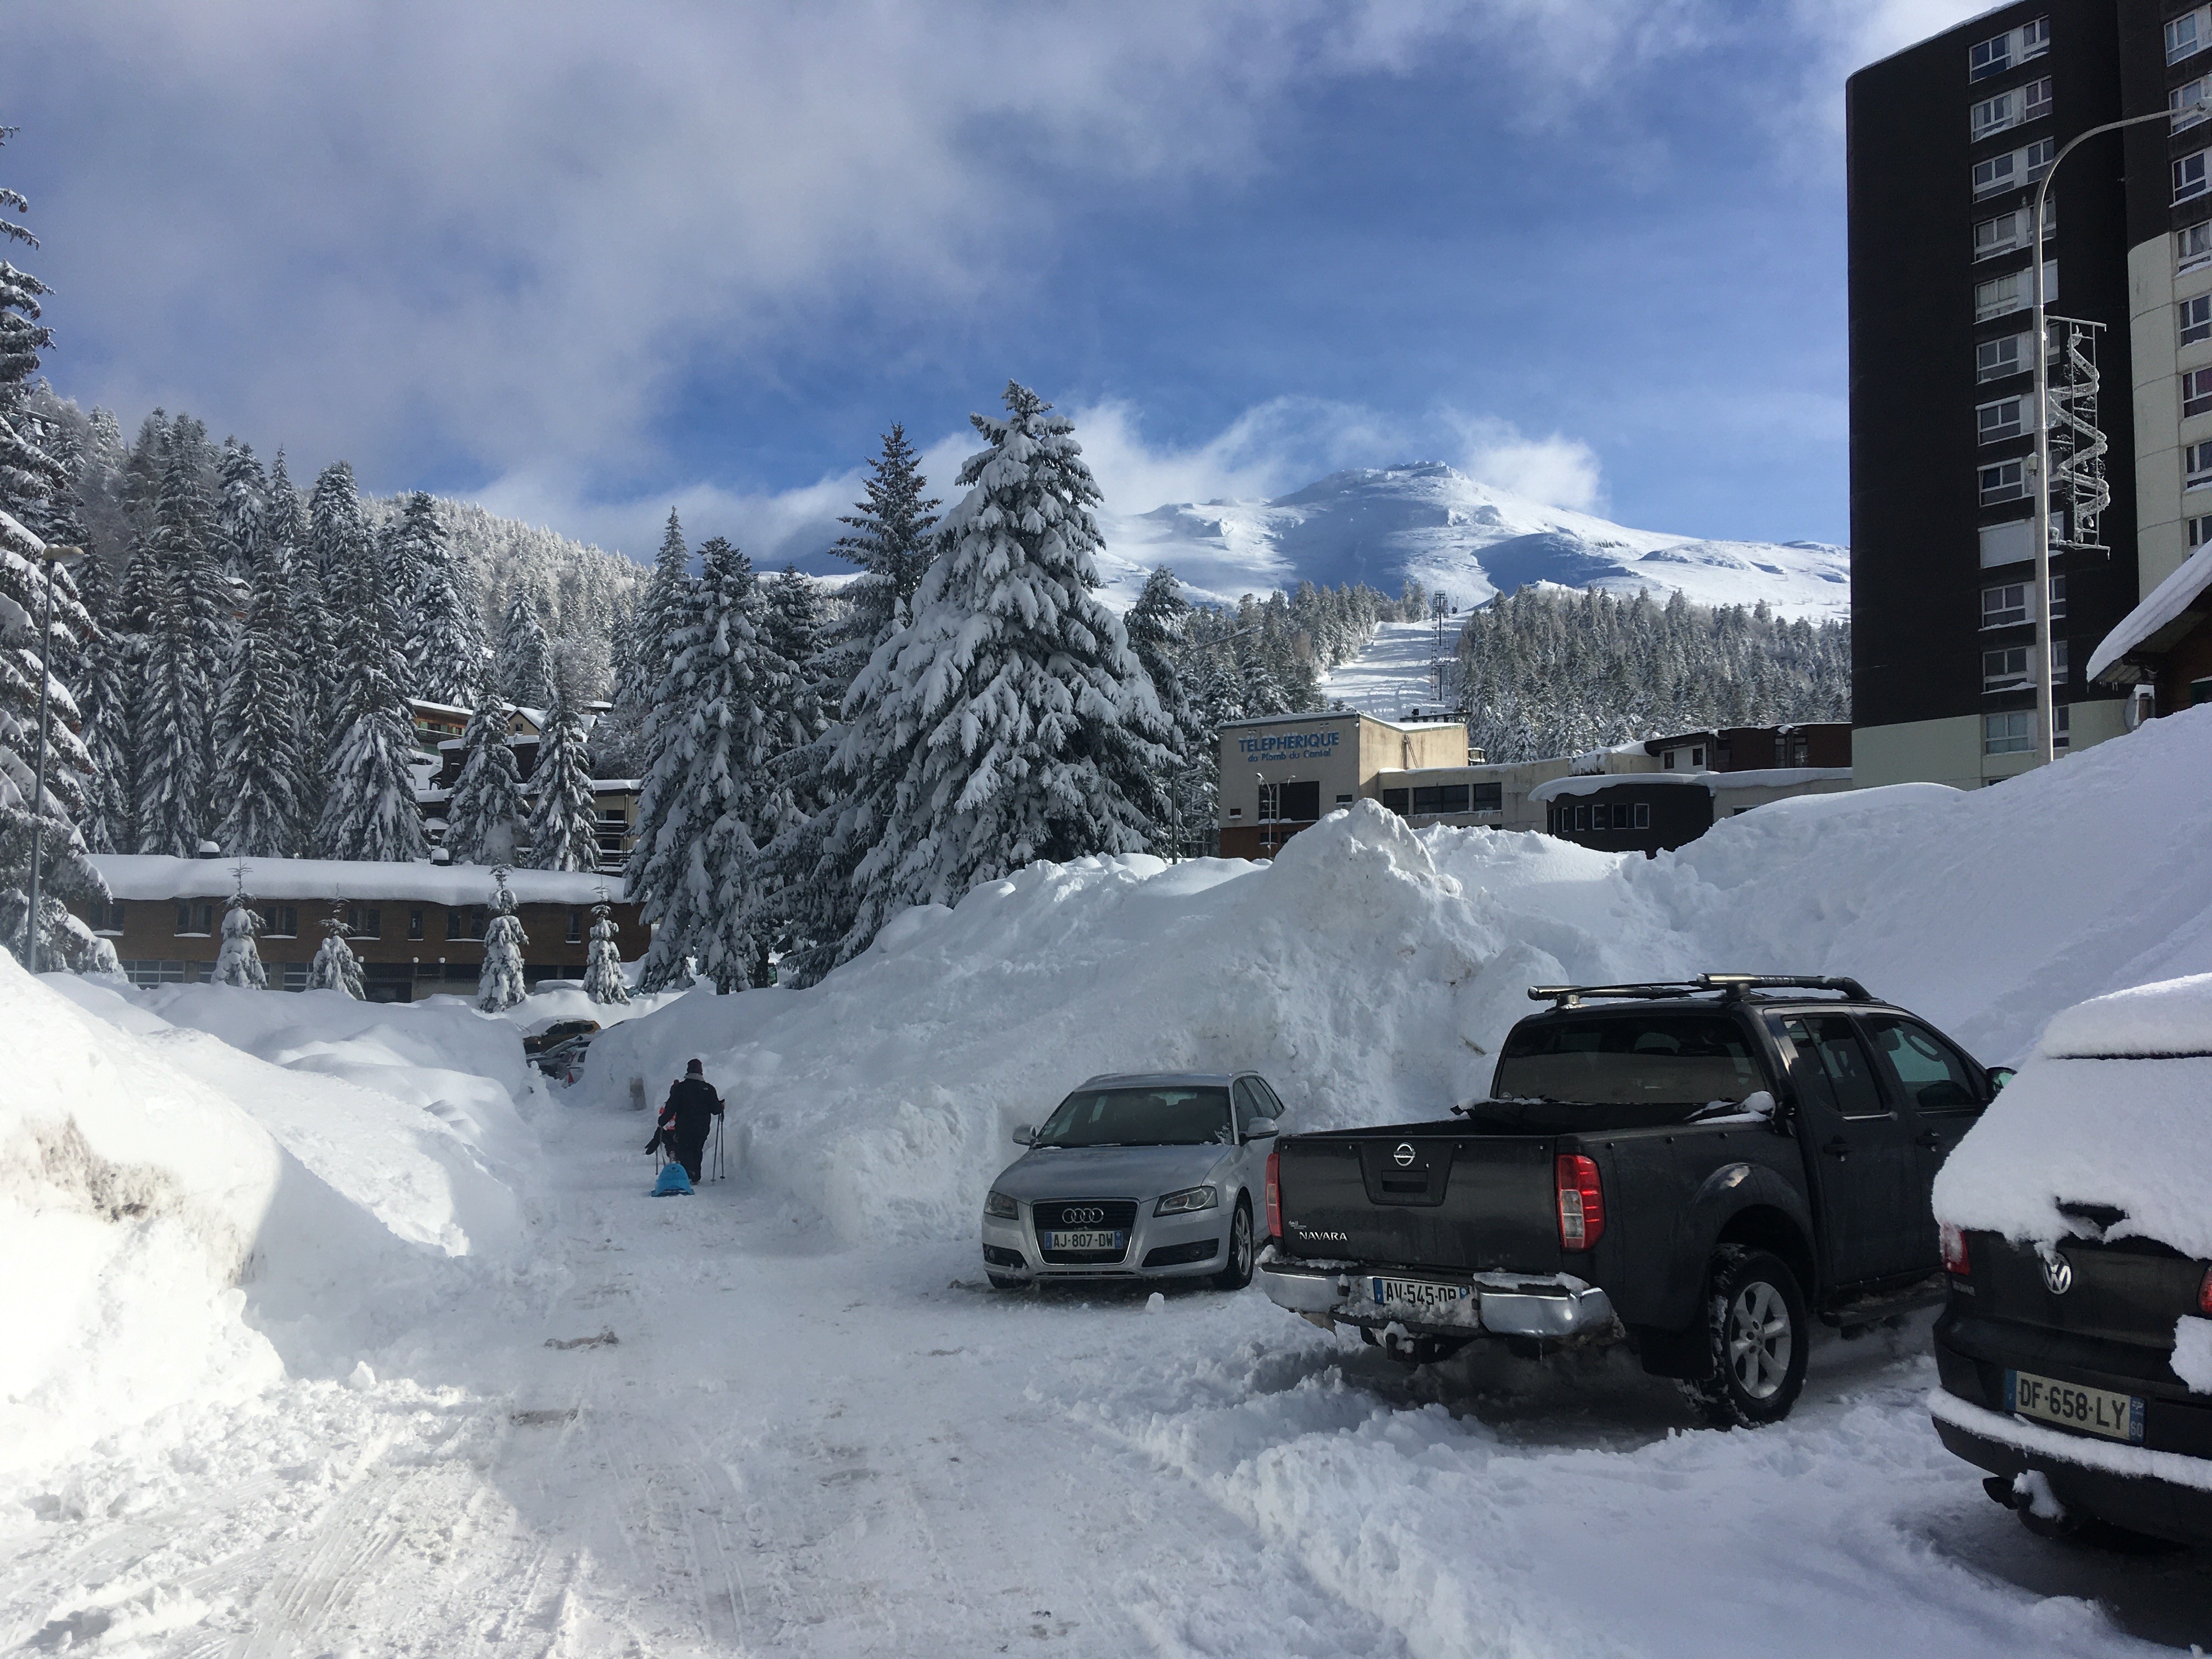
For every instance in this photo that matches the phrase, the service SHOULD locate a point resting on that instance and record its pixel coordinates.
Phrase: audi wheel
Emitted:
(1238, 1274)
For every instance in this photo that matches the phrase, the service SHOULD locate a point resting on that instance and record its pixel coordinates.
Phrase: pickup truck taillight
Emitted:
(1955, 1259)
(1581, 1202)
(1274, 1195)
(2205, 1293)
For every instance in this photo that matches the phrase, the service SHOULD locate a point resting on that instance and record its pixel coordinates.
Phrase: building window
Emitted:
(2061, 662)
(2200, 692)
(2196, 465)
(2200, 531)
(2194, 318)
(2197, 392)
(281, 921)
(2014, 291)
(2014, 169)
(296, 975)
(2009, 734)
(365, 920)
(2010, 109)
(2186, 36)
(106, 918)
(2004, 669)
(1397, 801)
(415, 923)
(2001, 419)
(2189, 179)
(2061, 725)
(1994, 359)
(2057, 596)
(576, 926)
(194, 918)
(1488, 798)
(2192, 246)
(2186, 103)
(2004, 605)
(2003, 481)
(1996, 54)
(1441, 797)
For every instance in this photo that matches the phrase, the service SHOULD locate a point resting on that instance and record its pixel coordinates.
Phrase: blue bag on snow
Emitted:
(672, 1183)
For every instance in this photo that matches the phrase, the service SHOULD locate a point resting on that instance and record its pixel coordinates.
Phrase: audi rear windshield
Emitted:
(1138, 1117)
(1619, 1072)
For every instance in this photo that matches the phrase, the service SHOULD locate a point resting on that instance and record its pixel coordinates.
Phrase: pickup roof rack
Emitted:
(1730, 986)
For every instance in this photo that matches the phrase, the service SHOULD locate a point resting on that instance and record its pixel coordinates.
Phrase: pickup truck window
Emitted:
(1625, 1070)
(1831, 1043)
(1921, 1067)
(1138, 1117)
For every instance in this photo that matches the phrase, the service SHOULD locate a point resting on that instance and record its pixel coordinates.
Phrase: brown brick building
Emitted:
(417, 928)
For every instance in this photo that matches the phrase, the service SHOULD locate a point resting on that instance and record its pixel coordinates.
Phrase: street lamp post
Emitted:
(51, 557)
(2045, 715)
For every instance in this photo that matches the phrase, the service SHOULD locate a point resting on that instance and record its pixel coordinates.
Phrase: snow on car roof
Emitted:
(1158, 1080)
(2111, 1110)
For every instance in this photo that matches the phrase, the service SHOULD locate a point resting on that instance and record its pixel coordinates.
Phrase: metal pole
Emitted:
(53, 556)
(2045, 734)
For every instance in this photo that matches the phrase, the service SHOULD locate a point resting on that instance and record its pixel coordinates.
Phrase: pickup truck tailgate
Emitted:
(1429, 1193)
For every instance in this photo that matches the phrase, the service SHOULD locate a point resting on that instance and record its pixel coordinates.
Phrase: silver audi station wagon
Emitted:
(1147, 1175)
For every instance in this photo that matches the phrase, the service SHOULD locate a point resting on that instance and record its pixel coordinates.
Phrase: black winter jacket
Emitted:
(692, 1104)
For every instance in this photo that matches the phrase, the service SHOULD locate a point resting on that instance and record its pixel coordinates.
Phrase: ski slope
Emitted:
(309, 1300)
(1396, 672)
(1429, 523)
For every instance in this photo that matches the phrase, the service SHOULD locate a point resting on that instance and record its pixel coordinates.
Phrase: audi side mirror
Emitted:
(1264, 1130)
(1024, 1134)
(1999, 1076)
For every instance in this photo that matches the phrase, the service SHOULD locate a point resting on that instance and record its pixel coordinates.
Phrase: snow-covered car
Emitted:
(542, 1038)
(2075, 1351)
(1152, 1174)
(564, 1061)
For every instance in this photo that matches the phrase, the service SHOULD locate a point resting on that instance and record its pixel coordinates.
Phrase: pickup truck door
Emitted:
(1940, 1092)
(1868, 1194)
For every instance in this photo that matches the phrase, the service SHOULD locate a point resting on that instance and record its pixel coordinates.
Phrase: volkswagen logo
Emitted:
(1076, 1215)
(1404, 1156)
(2057, 1273)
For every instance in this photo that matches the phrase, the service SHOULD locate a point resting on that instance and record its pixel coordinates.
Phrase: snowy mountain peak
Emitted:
(1458, 536)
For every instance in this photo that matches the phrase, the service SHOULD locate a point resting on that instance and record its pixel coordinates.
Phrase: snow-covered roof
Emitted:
(1313, 715)
(430, 707)
(1591, 783)
(2169, 603)
(1777, 777)
(143, 876)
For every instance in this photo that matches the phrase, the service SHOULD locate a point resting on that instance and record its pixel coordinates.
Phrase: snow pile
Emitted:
(159, 1247)
(2111, 1110)
(1370, 972)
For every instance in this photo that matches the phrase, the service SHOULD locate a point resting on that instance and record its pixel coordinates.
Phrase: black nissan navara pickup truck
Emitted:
(1699, 1169)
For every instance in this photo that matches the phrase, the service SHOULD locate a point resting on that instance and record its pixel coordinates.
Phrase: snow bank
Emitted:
(159, 1246)
(148, 877)
(1372, 971)
(2092, 1120)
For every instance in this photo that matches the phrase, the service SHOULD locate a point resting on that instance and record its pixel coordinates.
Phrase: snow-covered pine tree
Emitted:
(603, 967)
(238, 962)
(335, 967)
(564, 818)
(486, 807)
(500, 985)
(64, 870)
(524, 671)
(445, 646)
(833, 812)
(31, 475)
(312, 644)
(1155, 626)
(104, 698)
(1013, 700)
(696, 865)
(664, 608)
(369, 810)
(168, 735)
(241, 514)
(258, 764)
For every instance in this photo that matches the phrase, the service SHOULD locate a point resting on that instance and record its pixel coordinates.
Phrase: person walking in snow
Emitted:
(690, 1112)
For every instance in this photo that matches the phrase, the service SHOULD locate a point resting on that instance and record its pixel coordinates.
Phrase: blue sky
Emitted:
(582, 261)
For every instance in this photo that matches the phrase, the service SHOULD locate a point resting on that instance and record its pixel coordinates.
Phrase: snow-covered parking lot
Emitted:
(335, 1331)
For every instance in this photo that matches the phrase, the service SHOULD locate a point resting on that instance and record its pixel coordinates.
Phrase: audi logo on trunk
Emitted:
(1077, 1215)
(1404, 1155)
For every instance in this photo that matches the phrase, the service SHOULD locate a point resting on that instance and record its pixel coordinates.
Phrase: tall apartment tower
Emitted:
(1946, 142)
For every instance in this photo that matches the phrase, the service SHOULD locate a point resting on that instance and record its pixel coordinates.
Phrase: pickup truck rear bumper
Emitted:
(1553, 1306)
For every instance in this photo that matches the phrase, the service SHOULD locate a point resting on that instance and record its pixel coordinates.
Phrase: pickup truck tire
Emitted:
(1758, 1333)
(1238, 1274)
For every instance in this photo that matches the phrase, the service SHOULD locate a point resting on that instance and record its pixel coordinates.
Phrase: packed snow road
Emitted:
(791, 1446)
